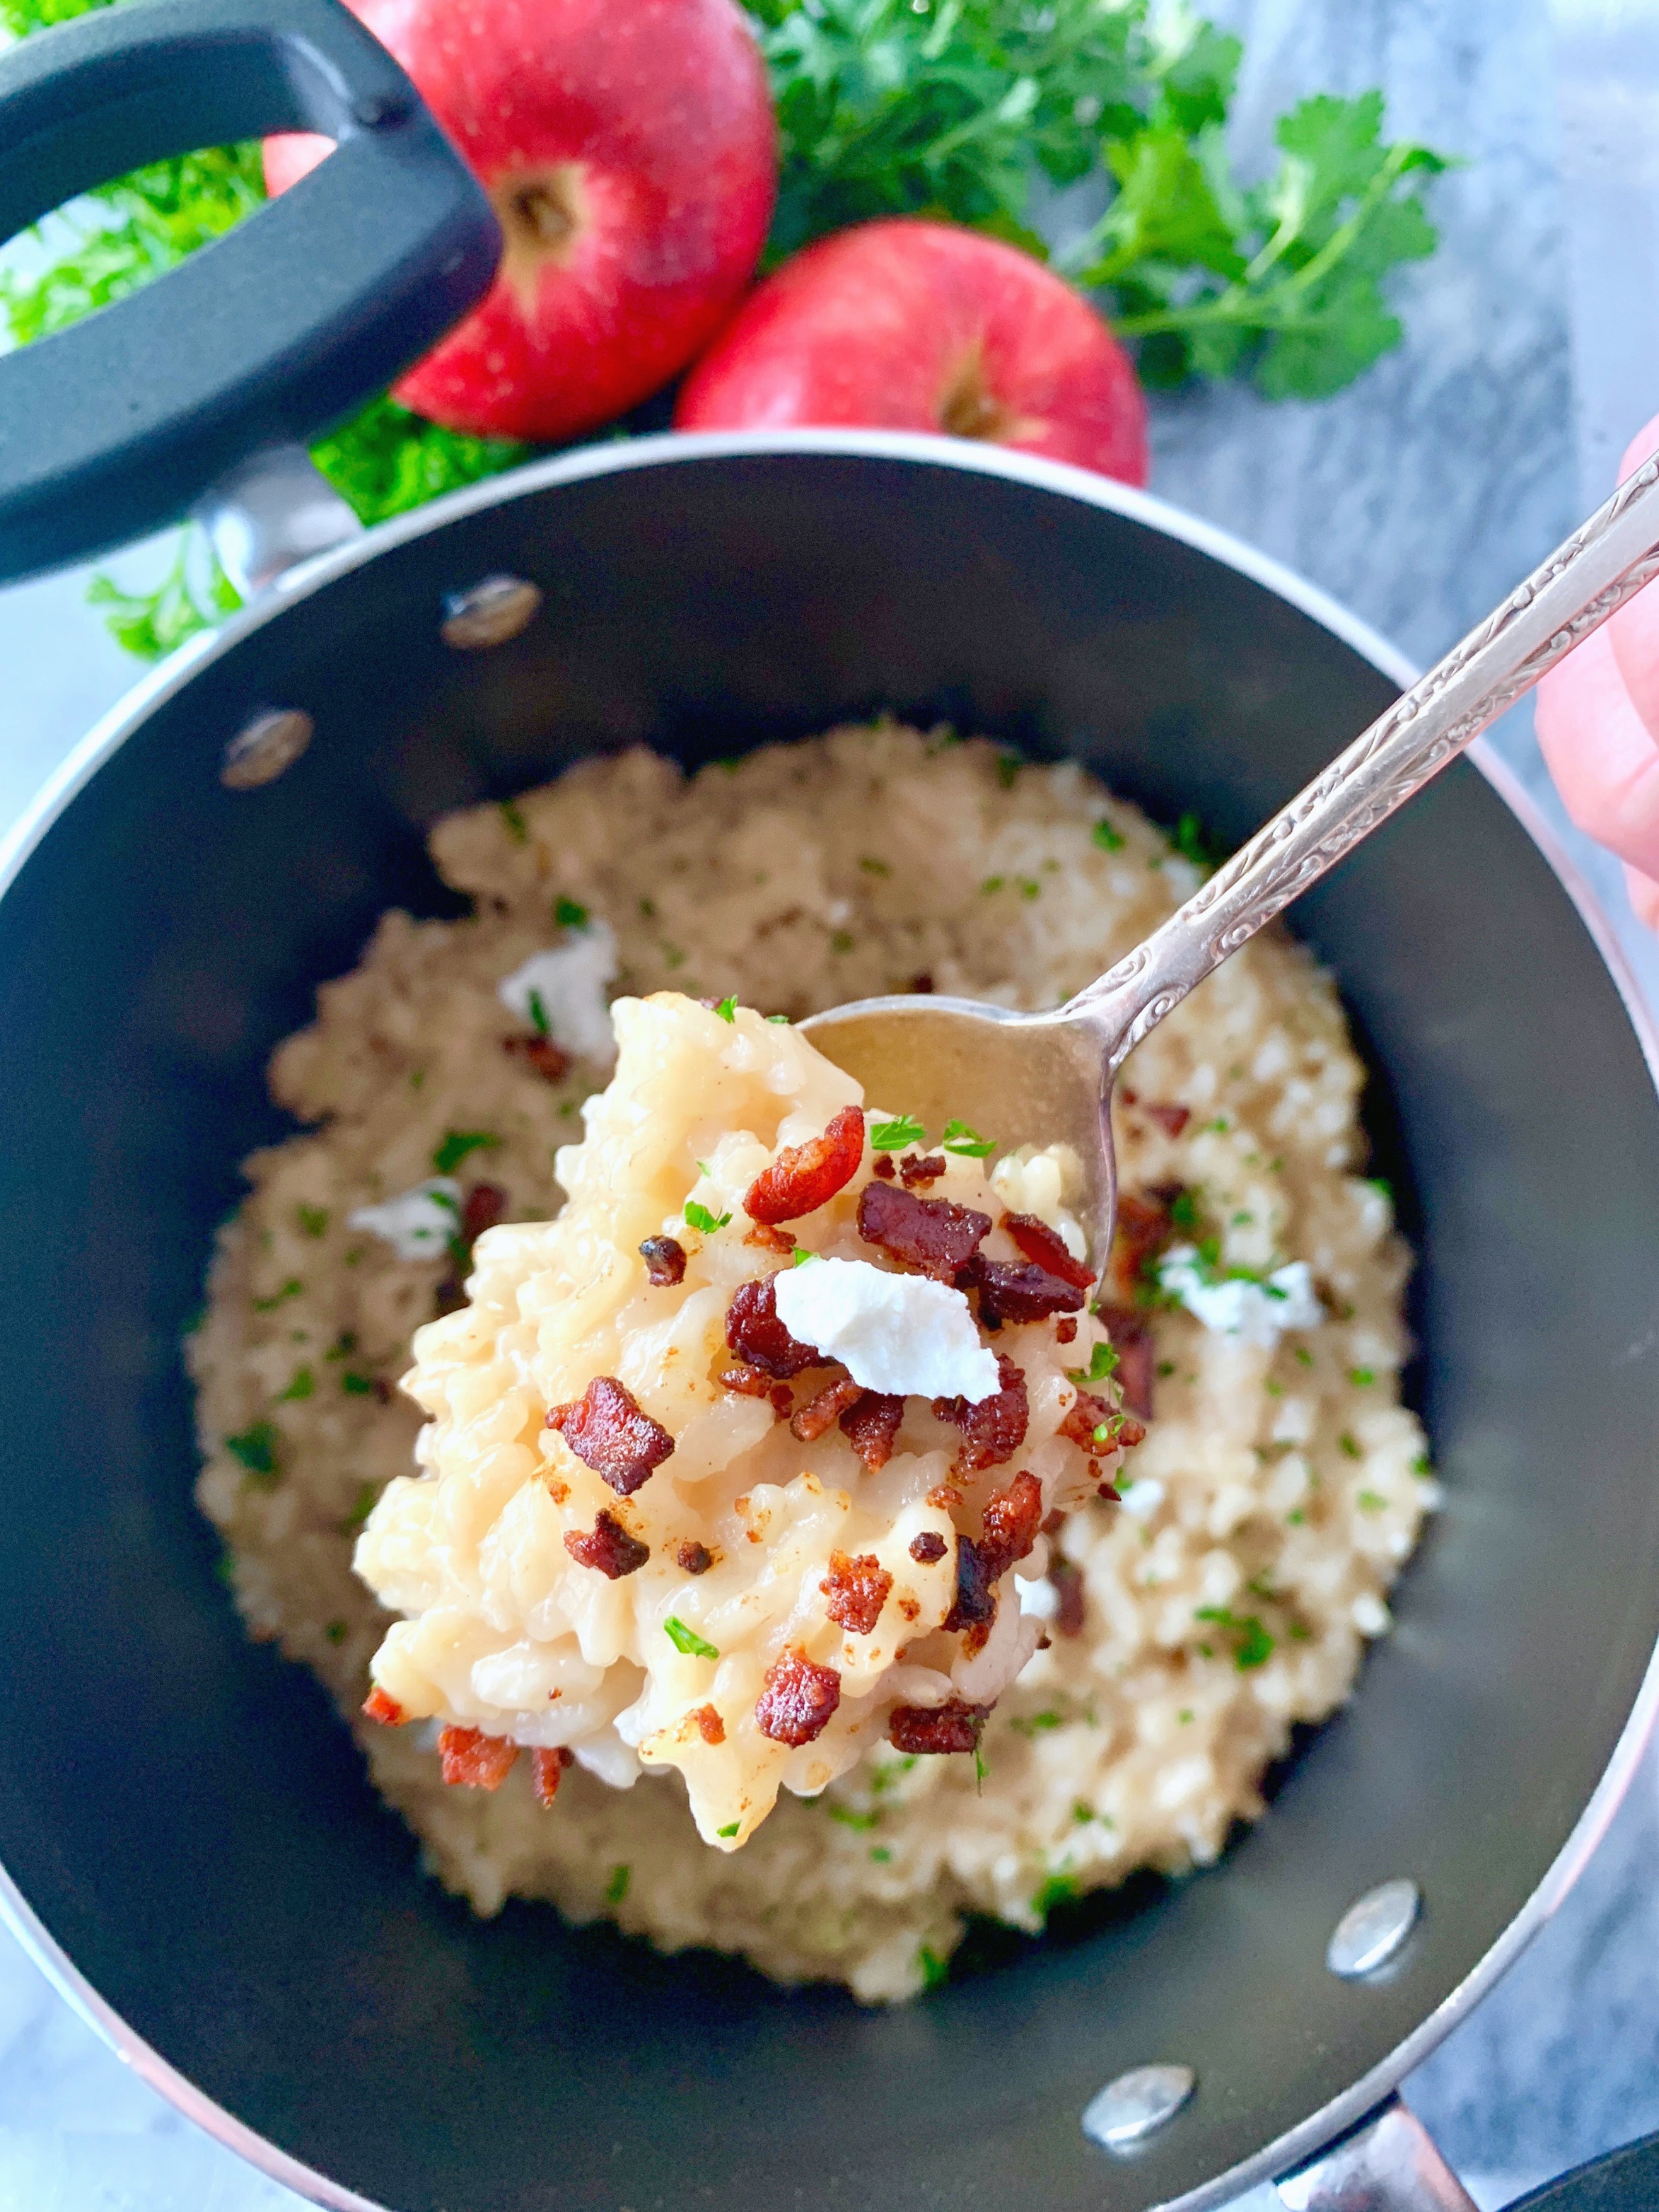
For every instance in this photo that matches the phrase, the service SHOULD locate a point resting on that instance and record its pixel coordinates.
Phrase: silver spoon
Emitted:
(1046, 1079)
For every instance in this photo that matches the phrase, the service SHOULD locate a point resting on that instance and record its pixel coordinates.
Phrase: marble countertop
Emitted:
(1417, 497)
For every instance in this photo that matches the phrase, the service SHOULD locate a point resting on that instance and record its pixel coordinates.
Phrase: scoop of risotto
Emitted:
(736, 1466)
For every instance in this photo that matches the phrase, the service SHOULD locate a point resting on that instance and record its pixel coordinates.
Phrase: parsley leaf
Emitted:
(698, 1216)
(1103, 1365)
(616, 1888)
(458, 1144)
(1109, 839)
(256, 1448)
(538, 1013)
(569, 914)
(959, 1137)
(894, 1136)
(1253, 1646)
(687, 1639)
(727, 1008)
(731, 1830)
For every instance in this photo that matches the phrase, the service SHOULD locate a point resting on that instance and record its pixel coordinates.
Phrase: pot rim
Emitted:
(671, 448)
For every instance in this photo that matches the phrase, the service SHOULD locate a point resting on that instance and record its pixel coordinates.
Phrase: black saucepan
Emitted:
(192, 1848)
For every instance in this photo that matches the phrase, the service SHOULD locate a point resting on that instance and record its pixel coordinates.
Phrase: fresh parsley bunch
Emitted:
(950, 108)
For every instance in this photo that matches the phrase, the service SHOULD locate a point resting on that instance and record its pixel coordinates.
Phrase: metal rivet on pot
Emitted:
(269, 743)
(1137, 2104)
(490, 613)
(1373, 1929)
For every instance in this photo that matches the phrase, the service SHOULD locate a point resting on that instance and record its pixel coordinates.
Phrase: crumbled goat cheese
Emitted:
(570, 981)
(903, 1335)
(419, 1223)
(1257, 1312)
(1141, 1495)
(1040, 1600)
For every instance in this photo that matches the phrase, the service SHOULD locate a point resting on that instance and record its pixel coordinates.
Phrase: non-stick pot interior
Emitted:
(181, 1810)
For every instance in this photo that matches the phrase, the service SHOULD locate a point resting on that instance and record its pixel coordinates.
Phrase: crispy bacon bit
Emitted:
(871, 1426)
(1131, 1336)
(1007, 1292)
(710, 1727)
(1012, 1521)
(1172, 1120)
(541, 1053)
(549, 1767)
(946, 1497)
(933, 1234)
(664, 1261)
(770, 1239)
(812, 1420)
(914, 1170)
(485, 1205)
(927, 1549)
(474, 1761)
(783, 1398)
(608, 1548)
(760, 1338)
(856, 1590)
(385, 1710)
(803, 1177)
(922, 981)
(608, 1432)
(1038, 1242)
(994, 1430)
(1066, 1330)
(1145, 1227)
(747, 1381)
(1068, 1580)
(883, 1167)
(1087, 1414)
(798, 1699)
(921, 1729)
(975, 1606)
(694, 1559)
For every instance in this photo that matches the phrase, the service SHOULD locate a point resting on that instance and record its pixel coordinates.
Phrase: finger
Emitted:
(1644, 897)
(1635, 628)
(1605, 764)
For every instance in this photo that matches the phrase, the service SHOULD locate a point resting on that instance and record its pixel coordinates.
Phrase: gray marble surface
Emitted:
(1417, 497)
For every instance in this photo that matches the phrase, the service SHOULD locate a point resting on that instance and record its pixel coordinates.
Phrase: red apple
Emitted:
(913, 326)
(630, 148)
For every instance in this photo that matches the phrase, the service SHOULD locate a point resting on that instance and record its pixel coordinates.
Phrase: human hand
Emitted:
(1598, 724)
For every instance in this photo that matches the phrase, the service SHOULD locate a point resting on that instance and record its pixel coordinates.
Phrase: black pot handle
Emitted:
(266, 336)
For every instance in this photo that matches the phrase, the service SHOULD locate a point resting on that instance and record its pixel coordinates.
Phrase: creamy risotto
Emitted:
(673, 1516)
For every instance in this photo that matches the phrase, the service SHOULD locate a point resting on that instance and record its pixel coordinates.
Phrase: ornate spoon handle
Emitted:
(1608, 560)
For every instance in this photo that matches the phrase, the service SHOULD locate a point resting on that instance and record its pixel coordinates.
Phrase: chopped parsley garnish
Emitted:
(782, 1018)
(934, 1970)
(872, 866)
(880, 1854)
(895, 1136)
(569, 914)
(980, 1770)
(1295, 1519)
(1109, 839)
(799, 1257)
(1030, 1724)
(1349, 1445)
(361, 1506)
(303, 1384)
(727, 1008)
(1305, 1357)
(1360, 1377)
(1368, 1502)
(1195, 843)
(842, 941)
(538, 1013)
(291, 1289)
(313, 1220)
(616, 1888)
(1030, 888)
(516, 828)
(1183, 1209)
(1423, 1467)
(724, 1832)
(993, 883)
(1009, 765)
(336, 1631)
(849, 1819)
(688, 1641)
(256, 1448)
(1103, 1365)
(344, 1345)
(459, 1145)
(698, 1216)
(1381, 1183)
(357, 1386)
(1185, 1717)
(1059, 1889)
(1253, 1646)
(960, 1139)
